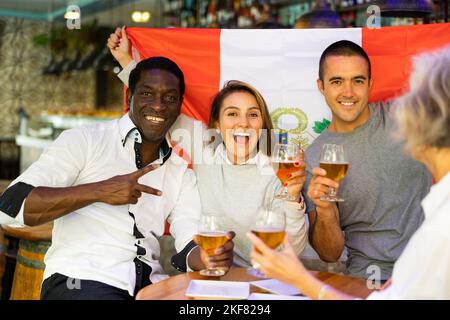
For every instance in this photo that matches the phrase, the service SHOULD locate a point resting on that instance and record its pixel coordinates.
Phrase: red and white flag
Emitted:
(283, 65)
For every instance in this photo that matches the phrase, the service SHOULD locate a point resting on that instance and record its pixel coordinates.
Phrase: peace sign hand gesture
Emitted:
(125, 189)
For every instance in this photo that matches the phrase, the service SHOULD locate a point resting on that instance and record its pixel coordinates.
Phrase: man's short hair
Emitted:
(343, 48)
(161, 63)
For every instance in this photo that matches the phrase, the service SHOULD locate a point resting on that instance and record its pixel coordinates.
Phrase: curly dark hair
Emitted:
(161, 63)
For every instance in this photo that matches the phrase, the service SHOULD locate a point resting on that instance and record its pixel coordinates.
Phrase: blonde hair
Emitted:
(423, 114)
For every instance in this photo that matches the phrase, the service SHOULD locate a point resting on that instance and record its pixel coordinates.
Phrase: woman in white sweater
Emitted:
(236, 177)
(233, 172)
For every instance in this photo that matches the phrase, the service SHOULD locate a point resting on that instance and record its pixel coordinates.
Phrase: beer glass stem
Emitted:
(331, 196)
(332, 192)
(284, 194)
(212, 272)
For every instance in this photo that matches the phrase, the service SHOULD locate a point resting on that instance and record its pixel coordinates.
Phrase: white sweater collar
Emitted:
(438, 195)
(261, 160)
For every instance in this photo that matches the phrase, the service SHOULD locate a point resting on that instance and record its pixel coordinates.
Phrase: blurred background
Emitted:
(54, 78)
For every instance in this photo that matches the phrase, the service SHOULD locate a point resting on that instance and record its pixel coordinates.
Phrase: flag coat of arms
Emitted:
(283, 65)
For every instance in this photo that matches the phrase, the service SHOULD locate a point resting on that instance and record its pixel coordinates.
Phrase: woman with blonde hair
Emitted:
(423, 269)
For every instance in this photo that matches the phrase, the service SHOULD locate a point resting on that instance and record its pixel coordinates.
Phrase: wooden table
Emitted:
(29, 268)
(42, 232)
(175, 287)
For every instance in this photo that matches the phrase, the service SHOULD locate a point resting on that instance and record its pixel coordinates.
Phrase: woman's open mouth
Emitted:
(241, 137)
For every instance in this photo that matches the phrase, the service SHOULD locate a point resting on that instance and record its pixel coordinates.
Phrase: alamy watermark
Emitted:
(374, 17)
(73, 16)
(73, 284)
(200, 143)
(374, 279)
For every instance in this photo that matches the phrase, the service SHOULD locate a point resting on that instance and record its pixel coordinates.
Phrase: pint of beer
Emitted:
(211, 240)
(269, 226)
(334, 161)
(211, 235)
(272, 237)
(286, 159)
(335, 171)
(286, 168)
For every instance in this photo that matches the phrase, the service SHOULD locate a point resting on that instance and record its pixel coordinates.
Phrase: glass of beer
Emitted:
(334, 162)
(286, 160)
(211, 235)
(269, 226)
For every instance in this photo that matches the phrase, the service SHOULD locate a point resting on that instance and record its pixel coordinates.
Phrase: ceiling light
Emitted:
(72, 15)
(140, 16)
(136, 16)
(145, 16)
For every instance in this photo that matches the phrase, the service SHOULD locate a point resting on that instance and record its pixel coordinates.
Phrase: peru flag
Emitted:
(283, 65)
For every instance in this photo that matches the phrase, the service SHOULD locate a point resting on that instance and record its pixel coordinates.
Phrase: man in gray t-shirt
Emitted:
(383, 187)
(382, 191)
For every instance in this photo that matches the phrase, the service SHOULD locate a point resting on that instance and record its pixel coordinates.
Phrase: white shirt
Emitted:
(423, 269)
(97, 242)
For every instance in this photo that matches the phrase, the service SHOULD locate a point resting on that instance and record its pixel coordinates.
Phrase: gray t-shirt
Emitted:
(383, 189)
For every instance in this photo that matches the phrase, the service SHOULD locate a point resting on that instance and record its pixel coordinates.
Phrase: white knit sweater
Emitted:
(237, 191)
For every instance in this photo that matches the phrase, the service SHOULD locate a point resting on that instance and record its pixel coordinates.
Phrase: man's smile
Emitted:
(154, 119)
(347, 103)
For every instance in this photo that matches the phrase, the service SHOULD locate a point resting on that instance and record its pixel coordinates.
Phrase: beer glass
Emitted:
(286, 160)
(334, 162)
(269, 226)
(211, 236)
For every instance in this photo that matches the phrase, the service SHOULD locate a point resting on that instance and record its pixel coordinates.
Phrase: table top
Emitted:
(175, 287)
(37, 233)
